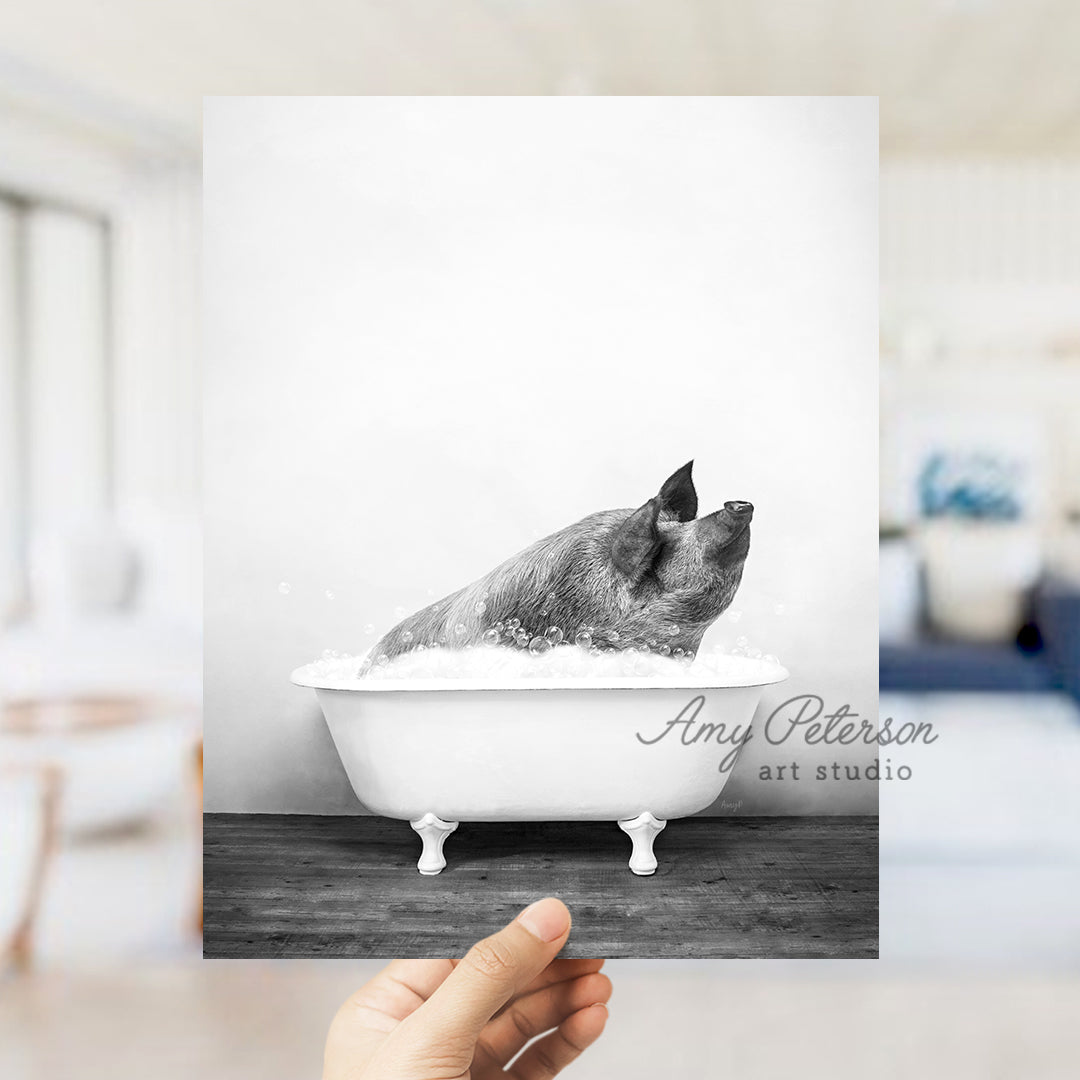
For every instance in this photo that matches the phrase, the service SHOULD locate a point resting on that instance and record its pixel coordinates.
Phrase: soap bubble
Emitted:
(614, 635)
(284, 588)
(406, 636)
(329, 595)
(491, 637)
(664, 650)
(677, 653)
(553, 634)
(435, 609)
(673, 630)
(583, 639)
(500, 626)
(536, 659)
(742, 641)
(460, 629)
(481, 607)
(514, 623)
(421, 647)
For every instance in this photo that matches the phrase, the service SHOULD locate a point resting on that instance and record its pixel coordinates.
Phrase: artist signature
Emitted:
(804, 714)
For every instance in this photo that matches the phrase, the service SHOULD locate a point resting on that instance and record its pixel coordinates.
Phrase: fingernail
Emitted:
(547, 919)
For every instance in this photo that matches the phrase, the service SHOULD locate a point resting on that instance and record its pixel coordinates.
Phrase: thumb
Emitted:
(492, 972)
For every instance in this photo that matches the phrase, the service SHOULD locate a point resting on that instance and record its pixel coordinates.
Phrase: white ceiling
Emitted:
(954, 76)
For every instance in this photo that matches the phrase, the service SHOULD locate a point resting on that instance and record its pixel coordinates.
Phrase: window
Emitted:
(55, 378)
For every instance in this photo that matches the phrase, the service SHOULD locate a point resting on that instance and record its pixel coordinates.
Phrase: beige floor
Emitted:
(259, 1021)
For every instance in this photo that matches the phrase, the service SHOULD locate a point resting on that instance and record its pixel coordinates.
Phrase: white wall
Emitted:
(439, 328)
(158, 393)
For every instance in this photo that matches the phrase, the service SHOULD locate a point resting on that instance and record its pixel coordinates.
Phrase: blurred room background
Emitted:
(100, 112)
(980, 554)
(100, 550)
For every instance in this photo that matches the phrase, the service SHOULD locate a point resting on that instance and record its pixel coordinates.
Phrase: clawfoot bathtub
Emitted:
(438, 752)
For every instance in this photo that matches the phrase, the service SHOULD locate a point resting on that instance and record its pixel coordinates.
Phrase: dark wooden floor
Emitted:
(298, 886)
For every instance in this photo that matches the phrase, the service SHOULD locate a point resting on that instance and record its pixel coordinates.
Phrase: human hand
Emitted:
(466, 1019)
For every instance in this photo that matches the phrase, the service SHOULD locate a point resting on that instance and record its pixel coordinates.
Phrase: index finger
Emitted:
(492, 972)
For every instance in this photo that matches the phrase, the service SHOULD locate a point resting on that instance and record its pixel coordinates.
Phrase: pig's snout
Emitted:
(726, 533)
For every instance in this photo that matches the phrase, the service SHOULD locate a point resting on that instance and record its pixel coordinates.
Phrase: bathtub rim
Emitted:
(770, 675)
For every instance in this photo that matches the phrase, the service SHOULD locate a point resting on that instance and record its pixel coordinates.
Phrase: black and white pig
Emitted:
(652, 578)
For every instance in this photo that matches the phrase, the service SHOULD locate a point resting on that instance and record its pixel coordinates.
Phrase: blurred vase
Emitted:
(898, 585)
(85, 569)
(978, 576)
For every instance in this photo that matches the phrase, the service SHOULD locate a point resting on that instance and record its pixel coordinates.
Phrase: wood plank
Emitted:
(299, 886)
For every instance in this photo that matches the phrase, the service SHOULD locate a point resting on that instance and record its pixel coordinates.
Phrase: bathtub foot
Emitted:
(643, 830)
(433, 831)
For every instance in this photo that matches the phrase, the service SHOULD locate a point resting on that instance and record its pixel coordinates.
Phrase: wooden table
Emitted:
(302, 886)
(41, 715)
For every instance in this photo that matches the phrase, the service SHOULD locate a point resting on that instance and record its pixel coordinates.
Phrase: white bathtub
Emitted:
(436, 752)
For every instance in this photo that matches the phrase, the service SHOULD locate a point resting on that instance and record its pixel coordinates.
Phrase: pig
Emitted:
(653, 579)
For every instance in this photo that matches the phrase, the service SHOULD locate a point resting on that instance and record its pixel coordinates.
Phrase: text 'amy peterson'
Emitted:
(804, 715)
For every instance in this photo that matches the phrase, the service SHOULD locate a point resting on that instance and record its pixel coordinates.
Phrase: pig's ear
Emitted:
(678, 495)
(637, 542)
